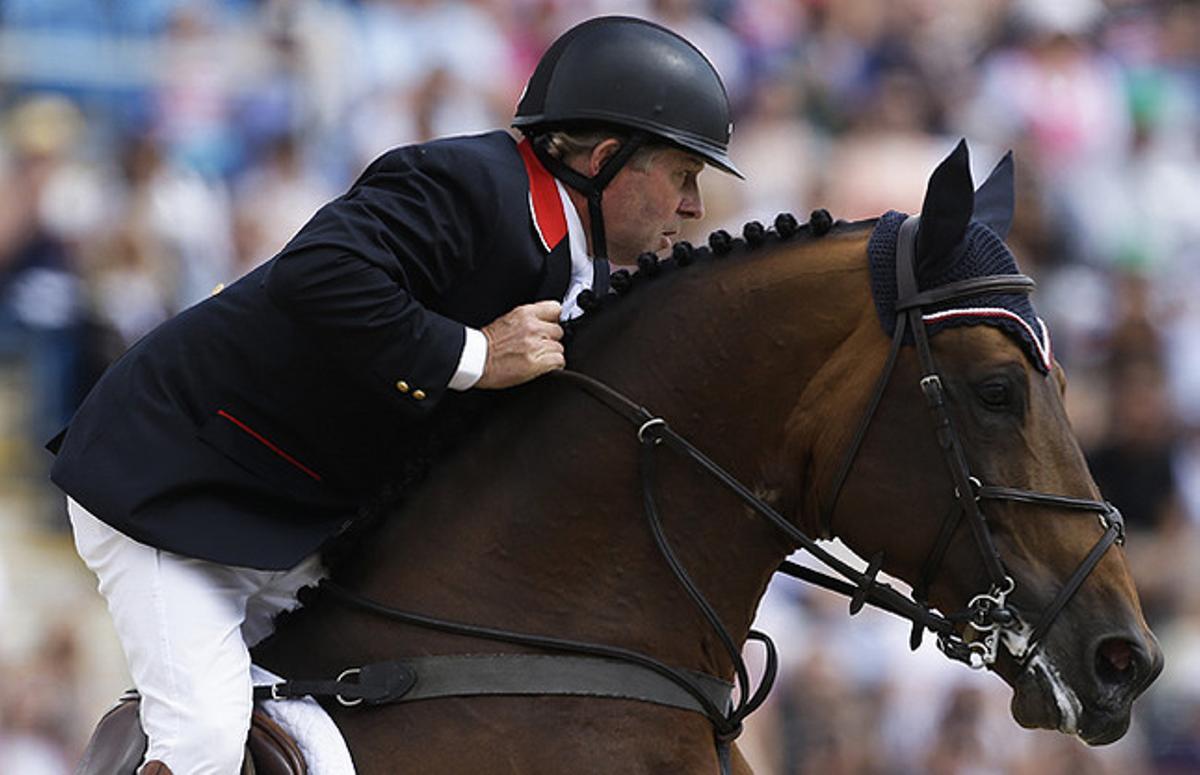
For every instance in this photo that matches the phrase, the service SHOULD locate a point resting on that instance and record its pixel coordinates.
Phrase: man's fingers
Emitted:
(523, 344)
(545, 310)
(552, 357)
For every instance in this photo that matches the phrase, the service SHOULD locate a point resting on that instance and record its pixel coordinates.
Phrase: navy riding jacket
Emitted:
(248, 429)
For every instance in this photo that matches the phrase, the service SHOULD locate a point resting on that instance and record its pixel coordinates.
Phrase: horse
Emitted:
(745, 397)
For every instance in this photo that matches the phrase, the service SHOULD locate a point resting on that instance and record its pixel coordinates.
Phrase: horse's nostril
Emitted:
(1116, 661)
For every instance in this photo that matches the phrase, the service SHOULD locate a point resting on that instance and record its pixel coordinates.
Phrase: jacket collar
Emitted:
(545, 205)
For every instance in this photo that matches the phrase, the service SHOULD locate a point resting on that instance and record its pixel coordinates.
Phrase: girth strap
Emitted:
(375, 684)
(474, 675)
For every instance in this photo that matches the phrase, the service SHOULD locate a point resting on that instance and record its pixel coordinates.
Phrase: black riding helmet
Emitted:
(628, 74)
(631, 73)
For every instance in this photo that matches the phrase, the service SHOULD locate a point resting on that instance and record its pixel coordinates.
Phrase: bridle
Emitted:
(987, 613)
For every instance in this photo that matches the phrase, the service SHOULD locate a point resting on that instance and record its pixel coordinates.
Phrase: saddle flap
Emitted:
(118, 744)
(272, 749)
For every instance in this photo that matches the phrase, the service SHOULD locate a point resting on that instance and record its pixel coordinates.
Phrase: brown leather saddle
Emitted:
(118, 745)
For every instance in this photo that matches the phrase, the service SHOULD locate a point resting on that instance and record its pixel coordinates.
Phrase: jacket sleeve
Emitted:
(365, 275)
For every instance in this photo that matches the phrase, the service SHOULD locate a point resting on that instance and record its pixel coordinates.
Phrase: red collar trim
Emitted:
(545, 205)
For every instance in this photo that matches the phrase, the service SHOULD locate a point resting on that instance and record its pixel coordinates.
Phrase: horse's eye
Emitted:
(995, 394)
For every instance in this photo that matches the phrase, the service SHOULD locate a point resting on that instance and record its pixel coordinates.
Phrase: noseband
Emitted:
(987, 613)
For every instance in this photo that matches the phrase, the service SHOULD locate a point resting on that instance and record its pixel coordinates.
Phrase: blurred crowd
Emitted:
(151, 151)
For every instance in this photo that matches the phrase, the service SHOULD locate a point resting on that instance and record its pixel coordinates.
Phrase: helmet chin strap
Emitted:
(591, 187)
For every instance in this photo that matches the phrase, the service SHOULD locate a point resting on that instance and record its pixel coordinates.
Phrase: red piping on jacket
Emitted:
(265, 442)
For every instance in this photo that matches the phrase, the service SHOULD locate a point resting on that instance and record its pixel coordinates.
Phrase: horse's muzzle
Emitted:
(1122, 667)
(1093, 699)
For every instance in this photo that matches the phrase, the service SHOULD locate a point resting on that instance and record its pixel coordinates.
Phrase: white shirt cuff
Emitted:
(471, 362)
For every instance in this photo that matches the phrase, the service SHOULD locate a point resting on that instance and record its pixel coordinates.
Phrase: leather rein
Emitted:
(987, 614)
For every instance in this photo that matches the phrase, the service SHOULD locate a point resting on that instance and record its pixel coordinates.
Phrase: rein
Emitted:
(390, 682)
(987, 614)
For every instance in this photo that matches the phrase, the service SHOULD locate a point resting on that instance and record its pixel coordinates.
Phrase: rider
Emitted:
(212, 460)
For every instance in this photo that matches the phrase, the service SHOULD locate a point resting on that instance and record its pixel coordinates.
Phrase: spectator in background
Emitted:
(877, 164)
(314, 73)
(170, 243)
(780, 153)
(690, 19)
(39, 704)
(1134, 463)
(40, 293)
(1052, 92)
(193, 105)
(958, 744)
(433, 69)
(273, 200)
(1173, 712)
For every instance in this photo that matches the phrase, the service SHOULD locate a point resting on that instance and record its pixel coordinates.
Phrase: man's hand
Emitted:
(523, 344)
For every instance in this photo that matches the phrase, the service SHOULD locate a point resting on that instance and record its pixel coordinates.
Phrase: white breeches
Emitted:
(186, 626)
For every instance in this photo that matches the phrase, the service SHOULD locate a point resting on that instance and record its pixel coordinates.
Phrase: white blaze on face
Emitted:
(1069, 706)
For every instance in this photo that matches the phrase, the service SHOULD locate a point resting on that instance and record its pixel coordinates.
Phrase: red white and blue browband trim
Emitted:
(1041, 342)
(982, 253)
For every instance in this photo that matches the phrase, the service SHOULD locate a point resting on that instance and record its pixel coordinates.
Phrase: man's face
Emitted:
(644, 206)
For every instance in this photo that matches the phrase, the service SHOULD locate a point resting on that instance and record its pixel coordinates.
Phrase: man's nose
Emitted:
(691, 206)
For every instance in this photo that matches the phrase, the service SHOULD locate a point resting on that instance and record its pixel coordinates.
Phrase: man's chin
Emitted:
(627, 260)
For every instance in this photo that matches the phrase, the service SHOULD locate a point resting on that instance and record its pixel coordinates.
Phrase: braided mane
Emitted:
(721, 244)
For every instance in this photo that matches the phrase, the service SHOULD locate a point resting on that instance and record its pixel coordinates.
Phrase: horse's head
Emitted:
(969, 479)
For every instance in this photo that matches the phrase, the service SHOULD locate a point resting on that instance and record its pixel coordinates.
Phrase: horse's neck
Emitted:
(538, 525)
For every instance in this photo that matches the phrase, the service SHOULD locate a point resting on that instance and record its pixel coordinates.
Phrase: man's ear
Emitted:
(601, 153)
